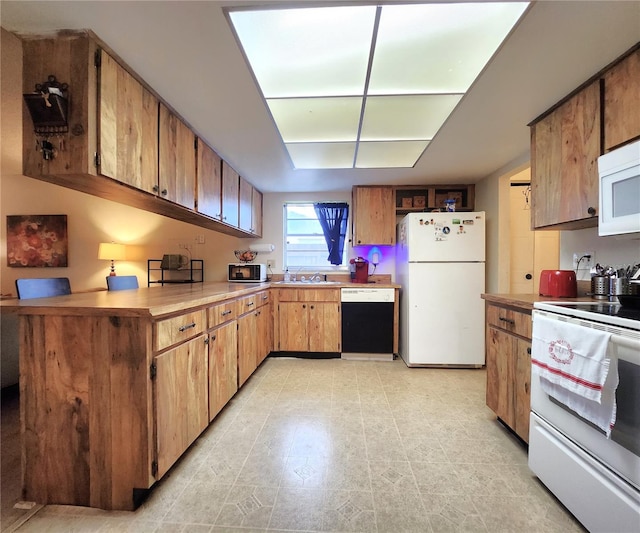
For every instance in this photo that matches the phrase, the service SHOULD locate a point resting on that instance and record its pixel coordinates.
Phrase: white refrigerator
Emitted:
(440, 261)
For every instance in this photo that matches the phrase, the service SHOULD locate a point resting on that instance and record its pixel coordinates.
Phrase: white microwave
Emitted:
(619, 202)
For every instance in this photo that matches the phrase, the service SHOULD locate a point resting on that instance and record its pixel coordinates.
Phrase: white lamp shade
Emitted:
(111, 251)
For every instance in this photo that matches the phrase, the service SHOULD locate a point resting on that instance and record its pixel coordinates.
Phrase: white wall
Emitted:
(613, 251)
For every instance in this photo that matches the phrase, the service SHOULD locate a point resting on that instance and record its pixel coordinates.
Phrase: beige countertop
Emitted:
(155, 301)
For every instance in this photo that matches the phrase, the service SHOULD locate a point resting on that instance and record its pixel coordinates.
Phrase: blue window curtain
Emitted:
(333, 219)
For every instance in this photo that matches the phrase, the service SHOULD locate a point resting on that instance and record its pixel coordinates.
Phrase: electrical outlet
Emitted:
(199, 239)
(585, 259)
(271, 263)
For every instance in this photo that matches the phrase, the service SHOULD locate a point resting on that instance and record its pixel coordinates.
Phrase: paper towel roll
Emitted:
(264, 248)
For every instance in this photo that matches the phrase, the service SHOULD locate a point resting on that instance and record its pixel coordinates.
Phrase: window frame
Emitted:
(327, 267)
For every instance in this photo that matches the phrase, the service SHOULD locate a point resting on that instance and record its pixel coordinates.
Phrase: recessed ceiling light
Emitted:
(367, 86)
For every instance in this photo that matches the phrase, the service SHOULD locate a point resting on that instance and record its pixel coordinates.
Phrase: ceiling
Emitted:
(186, 51)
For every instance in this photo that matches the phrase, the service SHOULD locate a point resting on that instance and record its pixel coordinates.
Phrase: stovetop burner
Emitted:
(605, 308)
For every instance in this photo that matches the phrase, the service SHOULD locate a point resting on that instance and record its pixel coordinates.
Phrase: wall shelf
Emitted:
(193, 273)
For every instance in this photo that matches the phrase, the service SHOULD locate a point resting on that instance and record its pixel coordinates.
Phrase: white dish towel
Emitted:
(577, 367)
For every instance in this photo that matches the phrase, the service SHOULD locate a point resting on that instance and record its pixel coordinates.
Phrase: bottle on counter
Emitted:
(287, 276)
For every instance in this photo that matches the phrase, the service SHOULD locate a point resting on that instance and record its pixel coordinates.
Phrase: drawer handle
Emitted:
(249, 304)
(264, 296)
(529, 351)
(227, 312)
(508, 321)
(188, 326)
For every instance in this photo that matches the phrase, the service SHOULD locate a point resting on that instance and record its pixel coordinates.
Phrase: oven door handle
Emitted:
(627, 342)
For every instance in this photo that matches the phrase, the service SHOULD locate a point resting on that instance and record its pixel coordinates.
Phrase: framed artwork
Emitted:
(37, 241)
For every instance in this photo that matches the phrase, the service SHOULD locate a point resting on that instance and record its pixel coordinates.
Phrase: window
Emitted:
(305, 243)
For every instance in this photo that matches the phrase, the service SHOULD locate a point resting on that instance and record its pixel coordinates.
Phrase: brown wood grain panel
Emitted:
(177, 156)
(209, 179)
(69, 59)
(293, 326)
(223, 367)
(622, 102)
(324, 327)
(373, 215)
(244, 211)
(247, 346)
(500, 375)
(197, 386)
(179, 328)
(230, 195)
(522, 388)
(256, 212)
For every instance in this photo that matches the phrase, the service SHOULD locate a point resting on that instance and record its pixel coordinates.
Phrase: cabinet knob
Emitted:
(155, 188)
(528, 351)
(164, 192)
(528, 276)
(591, 211)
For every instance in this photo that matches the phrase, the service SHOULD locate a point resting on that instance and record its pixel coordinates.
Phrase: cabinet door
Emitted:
(181, 401)
(293, 324)
(373, 217)
(230, 195)
(245, 205)
(522, 387)
(622, 102)
(265, 332)
(128, 128)
(247, 346)
(500, 374)
(177, 168)
(209, 178)
(223, 367)
(256, 212)
(324, 327)
(565, 146)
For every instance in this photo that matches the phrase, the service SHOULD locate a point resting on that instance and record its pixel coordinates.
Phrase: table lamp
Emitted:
(111, 251)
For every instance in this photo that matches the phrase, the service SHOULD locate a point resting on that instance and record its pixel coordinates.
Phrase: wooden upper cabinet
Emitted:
(565, 146)
(209, 178)
(177, 169)
(128, 127)
(622, 102)
(373, 217)
(250, 208)
(256, 212)
(245, 205)
(230, 195)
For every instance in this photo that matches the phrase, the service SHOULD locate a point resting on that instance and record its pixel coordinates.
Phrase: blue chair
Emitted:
(119, 283)
(42, 287)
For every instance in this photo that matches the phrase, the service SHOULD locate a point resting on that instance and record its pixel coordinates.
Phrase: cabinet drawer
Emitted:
(247, 304)
(263, 298)
(177, 329)
(510, 320)
(222, 312)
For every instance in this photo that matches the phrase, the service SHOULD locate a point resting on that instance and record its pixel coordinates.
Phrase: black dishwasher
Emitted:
(367, 323)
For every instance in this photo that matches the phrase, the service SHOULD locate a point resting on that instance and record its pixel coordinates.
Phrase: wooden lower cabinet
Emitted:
(181, 399)
(254, 333)
(223, 366)
(309, 320)
(508, 363)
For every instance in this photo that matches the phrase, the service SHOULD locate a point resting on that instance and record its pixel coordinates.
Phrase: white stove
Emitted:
(596, 477)
(605, 312)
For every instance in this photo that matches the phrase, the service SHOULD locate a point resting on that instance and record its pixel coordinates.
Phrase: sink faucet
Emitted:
(315, 277)
(295, 275)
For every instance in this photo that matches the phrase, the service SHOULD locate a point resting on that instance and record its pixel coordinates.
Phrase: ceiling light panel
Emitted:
(322, 155)
(395, 154)
(405, 117)
(316, 119)
(438, 48)
(307, 52)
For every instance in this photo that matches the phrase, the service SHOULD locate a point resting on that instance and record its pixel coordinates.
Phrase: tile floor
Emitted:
(330, 445)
